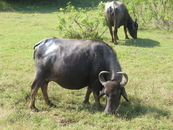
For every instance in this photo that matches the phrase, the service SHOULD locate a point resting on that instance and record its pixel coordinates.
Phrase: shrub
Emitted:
(157, 12)
(80, 23)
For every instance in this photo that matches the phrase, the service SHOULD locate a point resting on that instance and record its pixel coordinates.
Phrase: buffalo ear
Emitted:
(101, 95)
(136, 20)
(124, 94)
(136, 25)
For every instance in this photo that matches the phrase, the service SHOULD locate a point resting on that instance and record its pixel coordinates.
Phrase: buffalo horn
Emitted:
(101, 77)
(123, 83)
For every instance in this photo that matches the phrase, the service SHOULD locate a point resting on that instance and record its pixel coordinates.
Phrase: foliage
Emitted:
(158, 12)
(83, 24)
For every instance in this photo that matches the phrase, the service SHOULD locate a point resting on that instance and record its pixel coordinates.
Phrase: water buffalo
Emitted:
(75, 64)
(116, 15)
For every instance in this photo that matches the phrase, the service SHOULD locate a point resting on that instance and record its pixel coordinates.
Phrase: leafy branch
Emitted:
(83, 24)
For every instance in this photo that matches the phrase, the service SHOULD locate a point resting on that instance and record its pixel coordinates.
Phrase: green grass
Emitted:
(147, 61)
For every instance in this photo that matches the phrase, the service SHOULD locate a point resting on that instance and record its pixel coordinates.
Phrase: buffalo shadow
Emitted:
(127, 110)
(148, 43)
(136, 109)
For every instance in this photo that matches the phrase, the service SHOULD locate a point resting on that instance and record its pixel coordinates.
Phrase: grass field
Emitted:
(147, 61)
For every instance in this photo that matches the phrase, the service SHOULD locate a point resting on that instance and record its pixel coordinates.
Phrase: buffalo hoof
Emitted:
(52, 105)
(34, 109)
(86, 102)
(101, 108)
(116, 43)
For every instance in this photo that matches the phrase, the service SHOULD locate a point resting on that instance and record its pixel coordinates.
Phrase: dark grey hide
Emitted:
(116, 15)
(75, 64)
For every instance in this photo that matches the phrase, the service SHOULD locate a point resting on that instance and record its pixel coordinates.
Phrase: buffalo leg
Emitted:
(86, 100)
(125, 31)
(45, 94)
(97, 100)
(115, 33)
(110, 30)
(34, 88)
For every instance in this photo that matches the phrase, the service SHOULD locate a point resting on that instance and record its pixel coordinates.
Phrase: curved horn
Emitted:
(101, 77)
(123, 83)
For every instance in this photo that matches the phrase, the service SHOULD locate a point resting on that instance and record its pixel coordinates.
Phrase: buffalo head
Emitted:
(113, 89)
(133, 29)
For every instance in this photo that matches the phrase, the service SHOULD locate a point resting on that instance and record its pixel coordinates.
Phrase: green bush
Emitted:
(83, 24)
(152, 12)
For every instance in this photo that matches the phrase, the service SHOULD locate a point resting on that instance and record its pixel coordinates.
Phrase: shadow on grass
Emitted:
(130, 111)
(29, 9)
(141, 43)
(126, 110)
(46, 6)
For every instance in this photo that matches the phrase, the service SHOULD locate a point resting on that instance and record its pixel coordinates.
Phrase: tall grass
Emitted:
(147, 61)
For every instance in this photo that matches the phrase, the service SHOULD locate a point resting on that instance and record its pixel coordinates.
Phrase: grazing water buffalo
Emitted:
(75, 64)
(116, 15)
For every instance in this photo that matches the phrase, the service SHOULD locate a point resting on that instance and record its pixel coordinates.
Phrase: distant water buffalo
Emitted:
(116, 15)
(75, 64)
